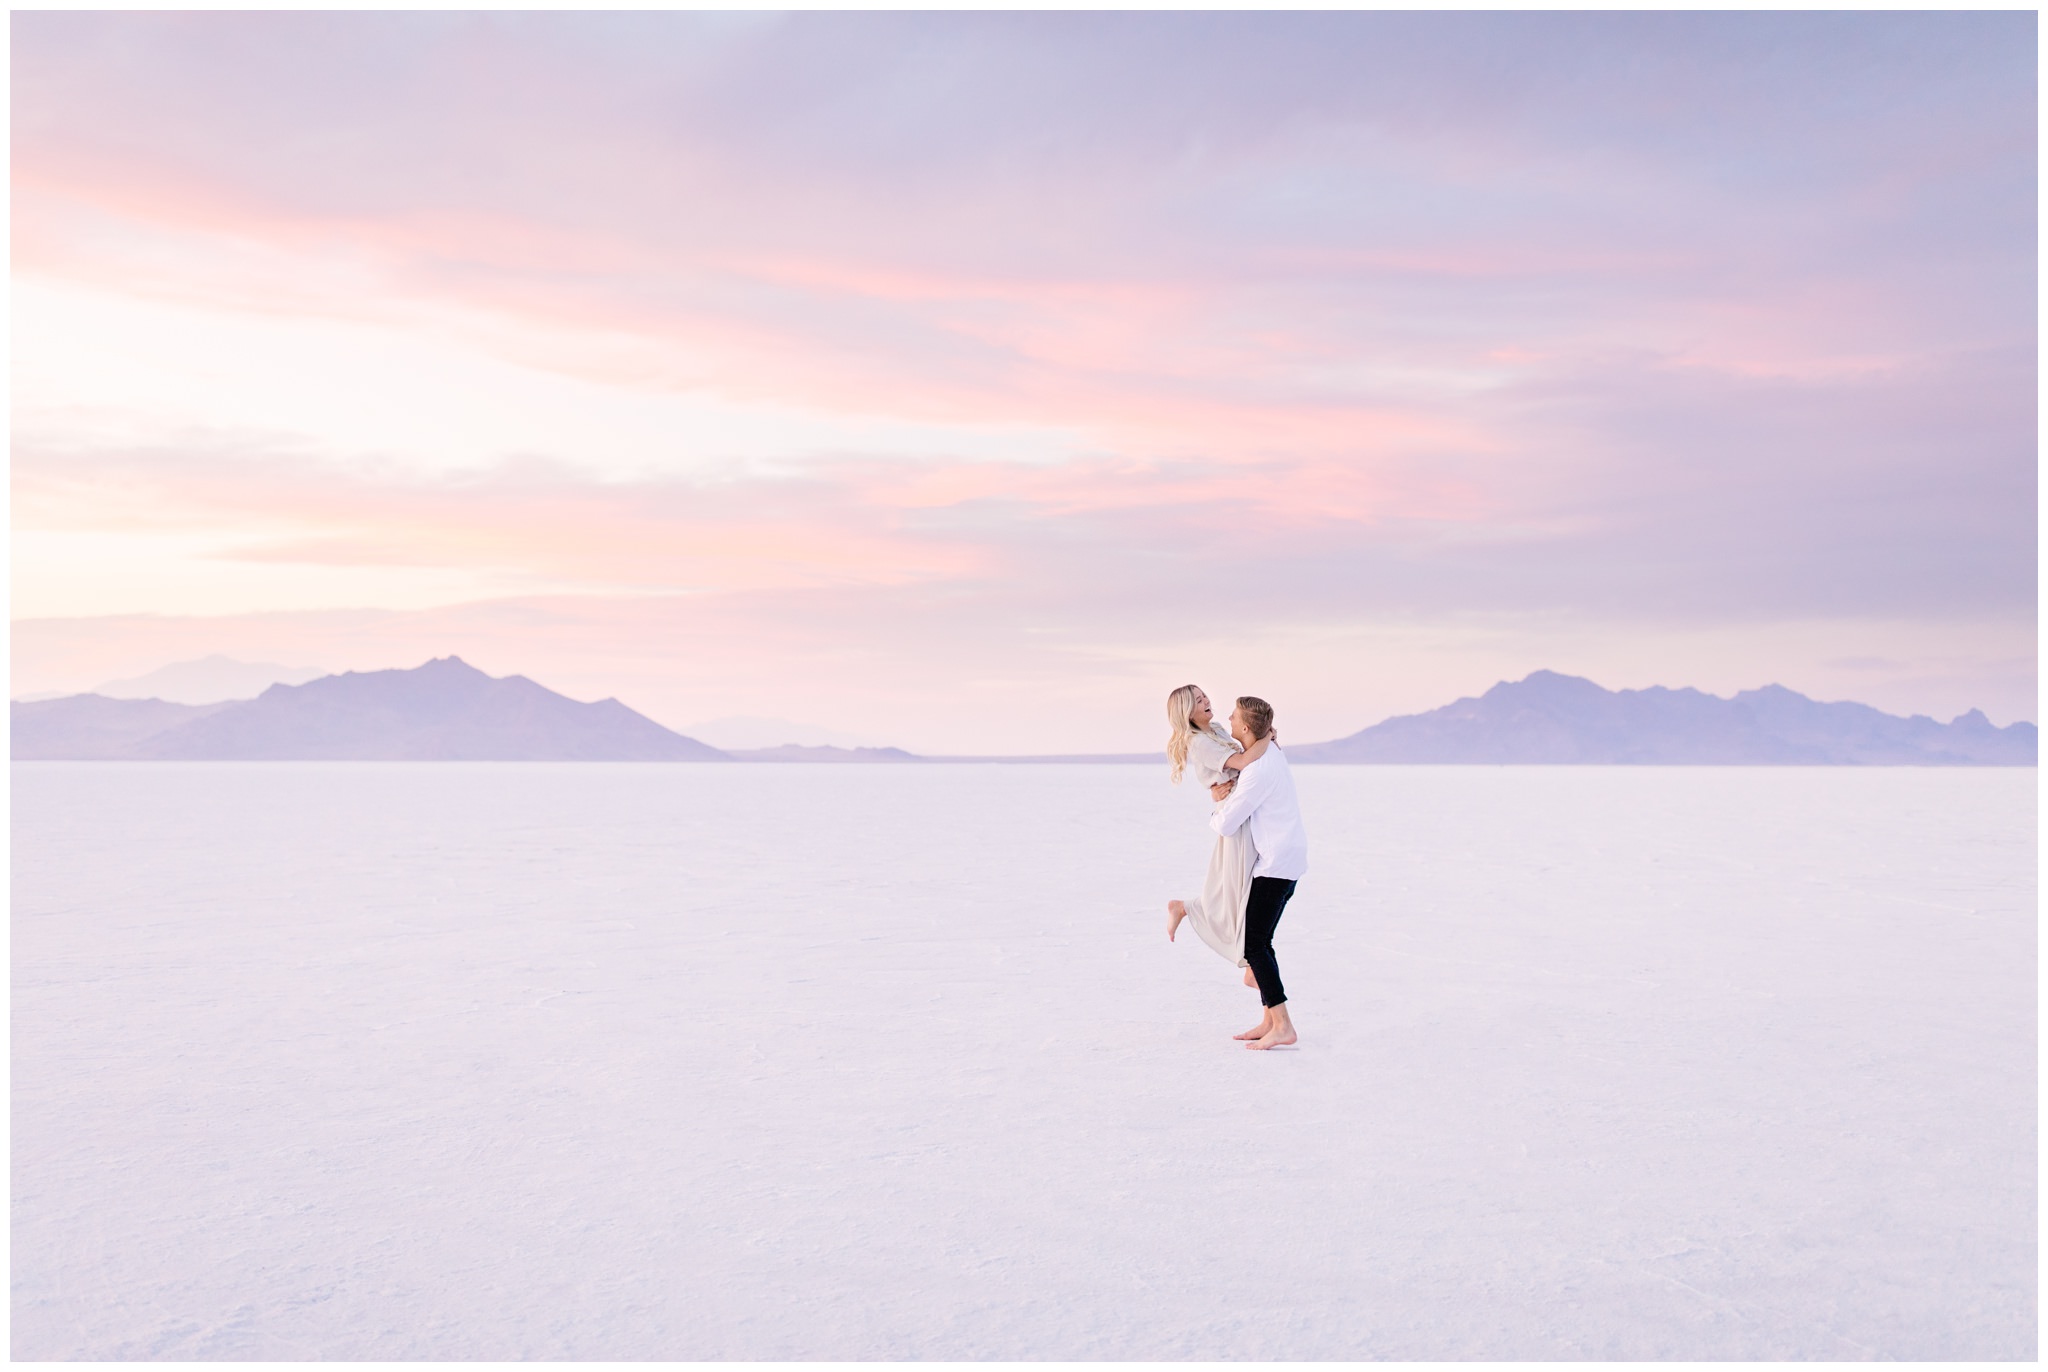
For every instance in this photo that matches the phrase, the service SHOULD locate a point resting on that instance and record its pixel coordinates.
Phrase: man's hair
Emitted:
(1258, 715)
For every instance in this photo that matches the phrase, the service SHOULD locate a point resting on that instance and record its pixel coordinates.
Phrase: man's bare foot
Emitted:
(1259, 1030)
(1176, 911)
(1279, 1035)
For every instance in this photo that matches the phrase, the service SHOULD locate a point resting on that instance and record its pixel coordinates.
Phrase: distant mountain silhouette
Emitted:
(1040, 759)
(94, 726)
(445, 710)
(1551, 718)
(754, 733)
(448, 710)
(207, 680)
(820, 752)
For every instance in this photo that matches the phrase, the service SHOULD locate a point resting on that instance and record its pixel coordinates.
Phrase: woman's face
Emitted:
(1201, 714)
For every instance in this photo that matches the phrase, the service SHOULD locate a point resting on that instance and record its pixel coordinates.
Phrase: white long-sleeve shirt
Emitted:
(1265, 799)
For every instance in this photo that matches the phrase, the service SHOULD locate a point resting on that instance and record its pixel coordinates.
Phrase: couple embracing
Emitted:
(1261, 850)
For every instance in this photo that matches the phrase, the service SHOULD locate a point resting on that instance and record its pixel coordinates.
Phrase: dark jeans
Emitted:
(1269, 896)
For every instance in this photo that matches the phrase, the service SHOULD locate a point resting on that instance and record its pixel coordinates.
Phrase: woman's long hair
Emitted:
(1180, 703)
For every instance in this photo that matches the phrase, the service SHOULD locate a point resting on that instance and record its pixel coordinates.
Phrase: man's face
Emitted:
(1239, 730)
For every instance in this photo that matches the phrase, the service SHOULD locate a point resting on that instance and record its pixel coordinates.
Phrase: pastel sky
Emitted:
(965, 382)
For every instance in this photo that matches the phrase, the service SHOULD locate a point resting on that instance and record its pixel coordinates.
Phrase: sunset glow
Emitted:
(966, 382)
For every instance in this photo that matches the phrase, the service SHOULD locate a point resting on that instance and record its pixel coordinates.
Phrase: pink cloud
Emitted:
(1694, 317)
(868, 522)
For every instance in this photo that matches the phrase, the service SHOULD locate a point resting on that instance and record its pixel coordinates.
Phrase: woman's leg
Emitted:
(1217, 915)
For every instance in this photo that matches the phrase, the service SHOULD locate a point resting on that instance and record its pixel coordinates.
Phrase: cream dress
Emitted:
(1218, 915)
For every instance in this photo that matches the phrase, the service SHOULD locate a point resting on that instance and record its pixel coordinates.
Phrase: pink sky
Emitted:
(966, 382)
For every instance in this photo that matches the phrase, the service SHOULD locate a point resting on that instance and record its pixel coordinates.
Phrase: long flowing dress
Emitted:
(1218, 913)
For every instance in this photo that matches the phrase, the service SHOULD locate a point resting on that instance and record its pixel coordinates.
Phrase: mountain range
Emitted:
(207, 680)
(447, 710)
(444, 710)
(1550, 718)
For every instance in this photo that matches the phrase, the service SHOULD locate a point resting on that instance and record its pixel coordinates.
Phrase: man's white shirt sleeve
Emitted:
(1237, 807)
(1265, 802)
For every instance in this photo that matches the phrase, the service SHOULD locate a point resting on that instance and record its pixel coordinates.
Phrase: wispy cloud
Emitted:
(1671, 323)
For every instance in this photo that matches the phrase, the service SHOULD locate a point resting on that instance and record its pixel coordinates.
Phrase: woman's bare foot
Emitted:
(1259, 1030)
(1280, 1035)
(1249, 979)
(1176, 911)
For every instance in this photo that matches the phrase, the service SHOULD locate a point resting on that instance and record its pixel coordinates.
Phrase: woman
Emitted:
(1196, 741)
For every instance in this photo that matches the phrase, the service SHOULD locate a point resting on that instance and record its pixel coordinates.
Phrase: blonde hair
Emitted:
(1180, 703)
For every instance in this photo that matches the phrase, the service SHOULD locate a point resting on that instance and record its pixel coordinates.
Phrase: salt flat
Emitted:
(698, 1061)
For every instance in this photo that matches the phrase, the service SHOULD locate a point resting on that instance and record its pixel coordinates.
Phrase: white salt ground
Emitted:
(543, 1061)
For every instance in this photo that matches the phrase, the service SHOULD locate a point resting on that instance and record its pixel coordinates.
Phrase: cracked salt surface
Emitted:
(615, 1061)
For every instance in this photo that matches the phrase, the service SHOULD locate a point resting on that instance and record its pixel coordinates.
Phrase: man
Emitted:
(1264, 799)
